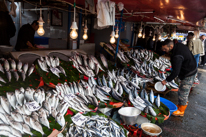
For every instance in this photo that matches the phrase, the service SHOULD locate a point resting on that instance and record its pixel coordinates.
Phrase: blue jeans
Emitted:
(197, 58)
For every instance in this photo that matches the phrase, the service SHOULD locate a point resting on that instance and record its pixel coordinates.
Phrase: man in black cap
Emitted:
(185, 67)
(25, 38)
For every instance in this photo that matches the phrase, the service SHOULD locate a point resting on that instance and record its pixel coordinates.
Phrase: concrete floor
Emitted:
(193, 124)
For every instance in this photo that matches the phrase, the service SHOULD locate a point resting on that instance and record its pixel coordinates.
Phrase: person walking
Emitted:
(195, 46)
(184, 66)
(203, 57)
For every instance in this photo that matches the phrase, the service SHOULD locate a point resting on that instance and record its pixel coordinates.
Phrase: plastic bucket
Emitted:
(169, 104)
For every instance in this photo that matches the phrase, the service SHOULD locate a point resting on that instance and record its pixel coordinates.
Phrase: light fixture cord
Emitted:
(40, 9)
(74, 9)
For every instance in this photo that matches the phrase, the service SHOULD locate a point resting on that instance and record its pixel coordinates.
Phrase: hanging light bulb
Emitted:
(85, 31)
(143, 36)
(160, 38)
(40, 30)
(117, 31)
(112, 39)
(140, 31)
(73, 33)
(153, 38)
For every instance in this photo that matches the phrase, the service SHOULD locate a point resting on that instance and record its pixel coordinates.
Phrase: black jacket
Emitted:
(7, 28)
(183, 62)
(26, 33)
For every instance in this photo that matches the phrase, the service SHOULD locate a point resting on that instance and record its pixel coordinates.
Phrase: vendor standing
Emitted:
(184, 66)
(25, 38)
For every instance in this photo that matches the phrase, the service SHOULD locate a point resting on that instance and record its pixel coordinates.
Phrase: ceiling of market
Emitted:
(190, 11)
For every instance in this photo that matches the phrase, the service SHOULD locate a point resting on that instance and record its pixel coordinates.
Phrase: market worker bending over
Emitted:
(185, 67)
(25, 38)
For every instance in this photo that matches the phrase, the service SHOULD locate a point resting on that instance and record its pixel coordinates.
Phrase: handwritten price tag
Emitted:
(69, 97)
(79, 119)
(139, 100)
(33, 106)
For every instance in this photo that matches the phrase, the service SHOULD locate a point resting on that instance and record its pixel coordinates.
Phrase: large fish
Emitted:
(6, 105)
(12, 99)
(151, 95)
(157, 101)
(60, 119)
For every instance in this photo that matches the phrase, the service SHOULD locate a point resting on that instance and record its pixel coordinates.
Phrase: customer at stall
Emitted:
(7, 27)
(184, 66)
(195, 46)
(203, 57)
(25, 38)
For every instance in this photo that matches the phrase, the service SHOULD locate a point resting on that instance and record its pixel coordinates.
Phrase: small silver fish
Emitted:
(36, 126)
(19, 97)
(157, 101)
(151, 96)
(25, 67)
(18, 126)
(28, 94)
(103, 59)
(19, 65)
(16, 75)
(35, 116)
(12, 99)
(57, 61)
(17, 117)
(43, 120)
(13, 65)
(6, 65)
(6, 105)
(47, 106)
(31, 69)
(4, 119)
(62, 70)
(37, 96)
(27, 130)
(23, 75)
(2, 80)
(151, 110)
(60, 119)
(8, 74)
(1, 69)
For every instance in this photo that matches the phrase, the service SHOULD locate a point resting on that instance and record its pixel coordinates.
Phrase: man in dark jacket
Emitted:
(25, 38)
(184, 66)
(7, 27)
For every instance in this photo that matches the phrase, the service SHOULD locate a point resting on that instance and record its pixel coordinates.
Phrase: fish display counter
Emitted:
(75, 90)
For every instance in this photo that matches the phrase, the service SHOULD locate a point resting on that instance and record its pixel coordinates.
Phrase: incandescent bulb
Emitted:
(153, 38)
(40, 31)
(116, 35)
(73, 34)
(160, 37)
(112, 40)
(143, 36)
(140, 35)
(85, 36)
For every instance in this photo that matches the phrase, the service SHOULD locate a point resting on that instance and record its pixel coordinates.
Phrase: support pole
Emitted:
(79, 28)
(131, 44)
(120, 23)
(20, 22)
(69, 25)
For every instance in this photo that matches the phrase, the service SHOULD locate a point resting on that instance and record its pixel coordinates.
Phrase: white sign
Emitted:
(106, 89)
(69, 97)
(79, 119)
(33, 106)
(139, 100)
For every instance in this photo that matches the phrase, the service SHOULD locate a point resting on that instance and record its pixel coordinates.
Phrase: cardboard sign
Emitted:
(33, 106)
(79, 119)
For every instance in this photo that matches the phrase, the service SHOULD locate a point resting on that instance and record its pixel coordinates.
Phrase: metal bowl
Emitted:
(129, 115)
(151, 129)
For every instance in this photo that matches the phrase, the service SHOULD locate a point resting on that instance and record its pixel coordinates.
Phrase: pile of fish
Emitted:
(17, 119)
(88, 65)
(11, 67)
(53, 64)
(145, 102)
(96, 126)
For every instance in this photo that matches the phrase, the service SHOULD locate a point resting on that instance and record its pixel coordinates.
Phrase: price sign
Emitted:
(69, 97)
(106, 89)
(139, 100)
(79, 119)
(33, 106)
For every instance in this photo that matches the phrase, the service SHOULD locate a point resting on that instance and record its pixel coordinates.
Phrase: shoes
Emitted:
(180, 111)
(196, 81)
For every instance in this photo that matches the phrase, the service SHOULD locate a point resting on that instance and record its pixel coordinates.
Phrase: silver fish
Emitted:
(43, 120)
(27, 120)
(60, 119)
(20, 109)
(19, 65)
(91, 64)
(31, 69)
(47, 106)
(42, 65)
(2, 80)
(37, 96)
(48, 61)
(96, 69)
(57, 61)
(13, 65)
(29, 94)
(104, 81)
(23, 75)
(8, 74)
(157, 101)
(4, 119)
(18, 126)
(2, 110)
(75, 88)
(26, 110)
(11, 98)
(53, 112)
(17, 117)
(62, 70)
(6, 133)
(16, 75)
(6, 65)
(151, 96)
(146, 95)
(1, 69)
(103, 59)
(11, 130)
(19, 97)
(6, 105)
(51, 100)
(25, 68)
(36, 126)
(151, 110)
(27, 130)
(35, 116)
